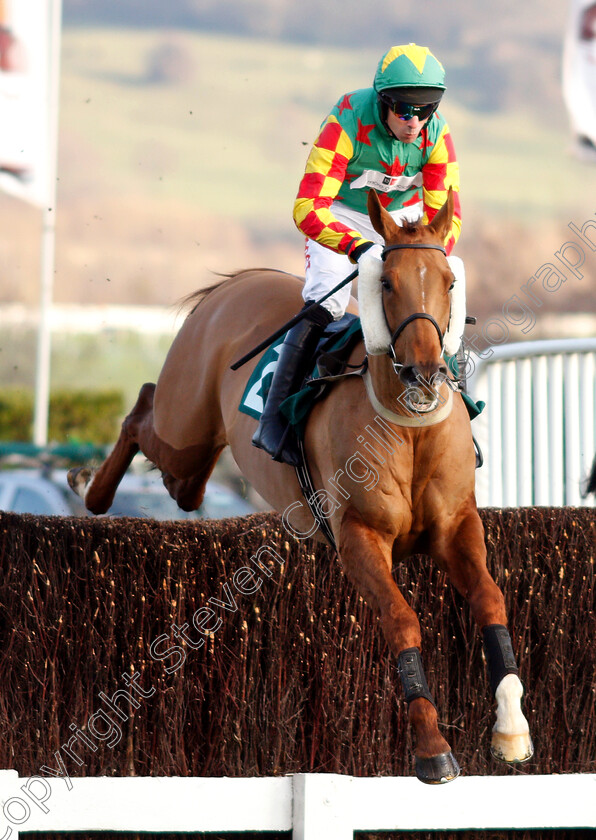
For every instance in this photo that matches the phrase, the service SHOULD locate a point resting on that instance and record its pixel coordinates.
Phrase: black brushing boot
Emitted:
(294, 358)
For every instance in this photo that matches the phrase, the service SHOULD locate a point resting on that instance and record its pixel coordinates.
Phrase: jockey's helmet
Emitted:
(409, 75)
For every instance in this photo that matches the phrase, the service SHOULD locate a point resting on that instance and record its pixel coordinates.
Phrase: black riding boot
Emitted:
(294, 358)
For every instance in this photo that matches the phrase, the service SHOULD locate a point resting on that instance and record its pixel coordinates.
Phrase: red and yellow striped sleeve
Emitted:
(323, 177)
(440, 172)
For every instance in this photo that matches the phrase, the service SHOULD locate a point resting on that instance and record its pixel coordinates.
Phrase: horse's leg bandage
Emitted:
(511, 741)
(411, 672)
(499, 653)
(457, 318)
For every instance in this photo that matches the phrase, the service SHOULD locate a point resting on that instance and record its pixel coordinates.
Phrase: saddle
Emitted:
(330, 364)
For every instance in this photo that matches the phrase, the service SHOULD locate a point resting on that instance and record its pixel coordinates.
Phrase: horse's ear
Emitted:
(380, 218)
(441, 224)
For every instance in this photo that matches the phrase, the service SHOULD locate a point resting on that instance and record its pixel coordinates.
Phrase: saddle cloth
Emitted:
(333, 352)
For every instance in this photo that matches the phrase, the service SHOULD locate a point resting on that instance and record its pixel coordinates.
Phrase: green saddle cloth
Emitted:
(297, 407)
(474, 408)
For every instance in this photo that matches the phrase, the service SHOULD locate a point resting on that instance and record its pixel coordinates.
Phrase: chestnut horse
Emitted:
(410, 491)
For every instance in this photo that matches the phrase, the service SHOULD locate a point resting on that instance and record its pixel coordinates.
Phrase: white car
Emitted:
(44, 493)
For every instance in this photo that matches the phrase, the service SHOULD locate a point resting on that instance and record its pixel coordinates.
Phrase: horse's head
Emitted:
(405, 311)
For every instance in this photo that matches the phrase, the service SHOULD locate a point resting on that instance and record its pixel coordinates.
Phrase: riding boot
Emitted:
(294, 358)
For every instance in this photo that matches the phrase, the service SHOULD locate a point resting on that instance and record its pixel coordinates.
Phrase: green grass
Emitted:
(233, 135)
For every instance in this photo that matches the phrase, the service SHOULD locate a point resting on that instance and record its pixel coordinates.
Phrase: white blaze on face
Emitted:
(423, 288)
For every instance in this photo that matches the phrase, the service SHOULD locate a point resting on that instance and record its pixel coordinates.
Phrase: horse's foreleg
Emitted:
(366, 560)
(463, 555)
(98, 488)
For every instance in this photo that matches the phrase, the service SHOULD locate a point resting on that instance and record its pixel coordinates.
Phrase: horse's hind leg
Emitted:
(188, 493)
(367, 562)
(463, 555)
(99, 488)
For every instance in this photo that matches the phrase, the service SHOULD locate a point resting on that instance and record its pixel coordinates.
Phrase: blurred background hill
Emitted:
(184, 130)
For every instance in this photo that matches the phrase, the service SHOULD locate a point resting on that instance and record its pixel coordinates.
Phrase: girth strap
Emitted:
(308, 491)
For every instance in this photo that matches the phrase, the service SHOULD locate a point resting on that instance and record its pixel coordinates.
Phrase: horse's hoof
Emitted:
(438, 769)
(78, 479)
(512, 749)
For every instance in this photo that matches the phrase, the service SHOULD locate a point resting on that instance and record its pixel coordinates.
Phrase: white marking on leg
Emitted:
(510, 718)
(511, 740)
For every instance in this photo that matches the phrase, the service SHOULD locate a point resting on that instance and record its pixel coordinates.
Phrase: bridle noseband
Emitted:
(417, 315)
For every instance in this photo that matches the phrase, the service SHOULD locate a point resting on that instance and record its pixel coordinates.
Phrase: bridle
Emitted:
(416, 316)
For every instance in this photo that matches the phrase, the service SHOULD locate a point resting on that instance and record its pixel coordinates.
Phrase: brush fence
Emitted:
(227, 649)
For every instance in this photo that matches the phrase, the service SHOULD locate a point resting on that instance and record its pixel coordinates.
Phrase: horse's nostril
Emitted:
(442, 373)
(409, 375)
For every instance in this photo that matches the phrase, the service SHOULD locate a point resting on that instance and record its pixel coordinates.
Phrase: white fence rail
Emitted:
(313, 806)
(74, 318)
(537, 431)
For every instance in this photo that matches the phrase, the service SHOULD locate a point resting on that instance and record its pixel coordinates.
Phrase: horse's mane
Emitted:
(411, 228)
(194, 299)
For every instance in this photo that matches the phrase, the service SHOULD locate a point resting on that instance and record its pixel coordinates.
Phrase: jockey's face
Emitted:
(405, 130)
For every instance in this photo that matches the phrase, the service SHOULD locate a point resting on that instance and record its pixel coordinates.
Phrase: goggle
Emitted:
(407, 111)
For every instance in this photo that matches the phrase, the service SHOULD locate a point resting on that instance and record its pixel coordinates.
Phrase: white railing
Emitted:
(313, 806)
(537, 431)
(87, 318)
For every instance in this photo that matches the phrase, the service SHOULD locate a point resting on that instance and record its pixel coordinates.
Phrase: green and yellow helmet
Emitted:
(411, 74)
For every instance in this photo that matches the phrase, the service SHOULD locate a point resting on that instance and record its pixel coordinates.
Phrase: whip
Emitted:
(292, 322)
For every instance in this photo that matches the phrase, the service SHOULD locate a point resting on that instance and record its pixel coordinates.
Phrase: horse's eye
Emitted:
(385, 283)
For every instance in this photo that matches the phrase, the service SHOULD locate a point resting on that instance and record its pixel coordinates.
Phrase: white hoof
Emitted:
(512, 749)
(511, 741)
(79, 480)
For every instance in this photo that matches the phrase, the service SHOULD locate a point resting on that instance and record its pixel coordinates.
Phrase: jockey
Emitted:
(391, 138)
